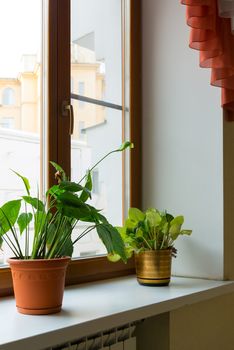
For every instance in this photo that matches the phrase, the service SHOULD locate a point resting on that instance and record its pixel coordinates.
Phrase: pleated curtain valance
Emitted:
(212, 35)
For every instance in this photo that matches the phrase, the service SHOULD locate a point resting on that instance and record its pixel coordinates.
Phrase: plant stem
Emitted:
(87, 230)
(64, 240)
(14, 249)
(12, 229)
(94, 166)
(26, 235)
(147, 243)
(55, 238)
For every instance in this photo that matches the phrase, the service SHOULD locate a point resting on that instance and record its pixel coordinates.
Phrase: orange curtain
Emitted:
(211, 35)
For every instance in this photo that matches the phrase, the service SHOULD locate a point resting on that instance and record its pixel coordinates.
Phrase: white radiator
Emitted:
(120, 338)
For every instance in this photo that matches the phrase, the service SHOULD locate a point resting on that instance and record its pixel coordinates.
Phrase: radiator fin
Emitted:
(120, 338)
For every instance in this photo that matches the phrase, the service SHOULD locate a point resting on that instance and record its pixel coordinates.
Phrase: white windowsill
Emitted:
(93, 307)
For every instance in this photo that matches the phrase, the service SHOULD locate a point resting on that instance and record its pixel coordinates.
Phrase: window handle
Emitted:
(67, 111)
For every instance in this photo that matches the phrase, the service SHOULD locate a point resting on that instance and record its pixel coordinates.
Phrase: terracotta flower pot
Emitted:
(38, 284)
(153, 267)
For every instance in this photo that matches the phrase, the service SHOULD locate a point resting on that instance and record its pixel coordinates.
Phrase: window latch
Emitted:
(67, 111)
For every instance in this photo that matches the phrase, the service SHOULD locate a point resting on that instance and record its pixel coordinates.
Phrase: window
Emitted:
(104, 119)
(7, 122)
(62, 147)
(22, 101)
(8, 97)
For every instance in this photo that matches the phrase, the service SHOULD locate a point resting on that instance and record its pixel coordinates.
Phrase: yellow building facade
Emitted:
(20, 98)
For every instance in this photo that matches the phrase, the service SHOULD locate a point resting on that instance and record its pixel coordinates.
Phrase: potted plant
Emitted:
(151, 236)
(41, 257)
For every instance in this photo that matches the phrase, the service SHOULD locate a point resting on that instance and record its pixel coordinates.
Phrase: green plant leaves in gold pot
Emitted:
(151, 235)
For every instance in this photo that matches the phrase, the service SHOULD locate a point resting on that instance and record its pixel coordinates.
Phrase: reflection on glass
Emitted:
(96, 49)
(20, 96)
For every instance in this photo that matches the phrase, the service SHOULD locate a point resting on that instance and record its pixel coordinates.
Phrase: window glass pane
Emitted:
(96, 49)
(96, 72)
(20, 97)
(8, 96)
(97, 140)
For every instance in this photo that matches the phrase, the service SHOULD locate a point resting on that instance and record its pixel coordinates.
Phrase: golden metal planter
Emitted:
(153, 267)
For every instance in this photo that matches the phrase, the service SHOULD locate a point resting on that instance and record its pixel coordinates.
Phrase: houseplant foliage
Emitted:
(151, 235)
(46, 227)
(55, 218)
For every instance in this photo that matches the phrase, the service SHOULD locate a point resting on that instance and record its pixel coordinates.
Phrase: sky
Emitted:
(20, 33)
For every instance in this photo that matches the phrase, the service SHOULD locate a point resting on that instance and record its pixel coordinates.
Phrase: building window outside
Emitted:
(7, 122)
(8, 97)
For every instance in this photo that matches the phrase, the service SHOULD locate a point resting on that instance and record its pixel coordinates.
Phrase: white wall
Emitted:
(182, 138)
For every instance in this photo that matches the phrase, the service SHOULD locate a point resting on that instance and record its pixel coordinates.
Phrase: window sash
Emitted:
(89, 269)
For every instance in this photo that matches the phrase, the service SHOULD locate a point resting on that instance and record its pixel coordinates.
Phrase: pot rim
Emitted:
(18, 260)
(154, 250)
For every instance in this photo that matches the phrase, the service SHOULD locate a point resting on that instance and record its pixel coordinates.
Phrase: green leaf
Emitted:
(34, 202)
(139, 233)
(165, 228)
(62, 241)
(1, 240)
(136, 215)
(71, 205)
(9, 213)
(125, 145)
(60, 170)
(67, 248)
(153, 218)
(122, 231)
(178, 220)
(175, 226)
(54, 190)
(116, 257)
(174, 231)
(130, 225)
(86, 193)
(169, 217)
(40, 218)
(186, 232)
(68, 198)
(25, 181)
(71, 186)
(94, 216)
(101, 218)
(113, 257)
(51, 229)
(23, 221)
(57, 167)
(112, 240)
(78, 213)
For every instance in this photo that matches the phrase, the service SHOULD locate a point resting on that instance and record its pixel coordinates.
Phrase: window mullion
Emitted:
(59, 83)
